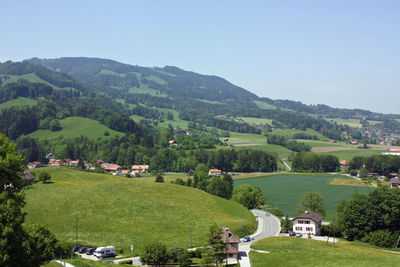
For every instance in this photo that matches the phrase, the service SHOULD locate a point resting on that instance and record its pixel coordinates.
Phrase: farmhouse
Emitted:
(114, 169)
(344, 163)
(33, 165)
(140, 168)
(231, 242)
(395, 182)
(308, 222)
(214, 172)
(50, 156)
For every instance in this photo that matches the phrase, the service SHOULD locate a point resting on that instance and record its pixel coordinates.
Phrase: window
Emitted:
(299, 228)
(309, 229)
(300, 221)
(306, 222)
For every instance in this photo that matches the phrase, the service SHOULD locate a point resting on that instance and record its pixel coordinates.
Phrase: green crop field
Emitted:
(77, 126)
(349, 154)
(316, 143)
(120, 211)
(350, 122)
(285, 191)
(20, 101)
(291, 251)
(289, 133)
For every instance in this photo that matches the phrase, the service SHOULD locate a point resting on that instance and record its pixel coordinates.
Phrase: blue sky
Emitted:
(340, 53)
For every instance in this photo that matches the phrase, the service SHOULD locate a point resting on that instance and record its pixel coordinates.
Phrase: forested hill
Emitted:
(118, 79)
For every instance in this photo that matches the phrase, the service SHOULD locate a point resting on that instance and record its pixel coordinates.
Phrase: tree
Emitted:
(217, 246)
(42, 244)
(248, 196)
(159, 178)
(184, 259)
(312, 201)
(154, 254)
(287, 224)
(44, 177)
(55, 125)
(220, 187)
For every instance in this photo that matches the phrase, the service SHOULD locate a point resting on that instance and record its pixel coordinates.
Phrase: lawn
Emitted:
(20, 101)
(290, 132)
(32, 77)
(291, 251)
(120, 211)
(316, 143)
(77, 126)
(285, 191)
(351, 182)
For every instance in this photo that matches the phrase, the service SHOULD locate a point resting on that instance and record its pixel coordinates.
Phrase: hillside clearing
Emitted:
(291, 251)
(119, 211)
(20, 101)
(77, 126)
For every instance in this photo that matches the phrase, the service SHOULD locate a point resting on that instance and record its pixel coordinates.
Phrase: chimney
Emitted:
(306, 211)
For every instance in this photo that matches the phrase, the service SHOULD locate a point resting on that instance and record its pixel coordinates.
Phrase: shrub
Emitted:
(44, 177)
(277, 212)
(381, 238)
(159, 178)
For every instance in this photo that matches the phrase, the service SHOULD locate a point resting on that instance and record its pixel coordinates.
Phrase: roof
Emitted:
(110, 166)
(140, 167)
(344, 162)
(308, 214)
(171, 142)
(74, 161)
(27, 176)
(124, 172)
(214, 170)
(229, 237)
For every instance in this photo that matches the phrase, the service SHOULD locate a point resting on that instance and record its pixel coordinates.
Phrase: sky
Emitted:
(345, 54)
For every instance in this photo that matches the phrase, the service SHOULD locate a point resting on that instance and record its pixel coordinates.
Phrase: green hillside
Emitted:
(20, 101)
(77, 126)
(119, 211)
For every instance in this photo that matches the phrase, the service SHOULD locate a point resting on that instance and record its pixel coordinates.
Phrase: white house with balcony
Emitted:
(308, 222)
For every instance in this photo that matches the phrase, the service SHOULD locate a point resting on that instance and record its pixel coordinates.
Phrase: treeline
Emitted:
(288, 143)
(373, 218)
(304, 136)
(381, 164)
(313, 162)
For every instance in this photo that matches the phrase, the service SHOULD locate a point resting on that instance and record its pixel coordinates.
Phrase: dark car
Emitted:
(82, 250)
(292, 233)
(246, 239)
(89, 251)
(75, 248)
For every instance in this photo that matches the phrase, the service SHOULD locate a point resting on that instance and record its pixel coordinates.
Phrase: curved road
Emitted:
(268, 225)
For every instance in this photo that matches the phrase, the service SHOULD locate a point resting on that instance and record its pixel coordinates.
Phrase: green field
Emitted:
(119, 211)
(316, 143)
(252, 120)
(349, 154)
(20, 101)
(264, 105)
(290, 132)
(77, 126)
(285, 191)
(291, 251)
(32, 77)
(350, 122)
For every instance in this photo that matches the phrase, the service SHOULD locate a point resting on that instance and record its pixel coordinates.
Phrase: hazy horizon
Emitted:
(339, 53)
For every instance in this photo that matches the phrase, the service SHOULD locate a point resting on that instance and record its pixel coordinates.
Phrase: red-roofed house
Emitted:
(140, 168)
(308, 222)
(214, 172)
(344, 163)
(114, 169)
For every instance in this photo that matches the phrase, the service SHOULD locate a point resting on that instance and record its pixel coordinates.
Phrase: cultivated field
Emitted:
(291, 251)
(121, 211)
(77, 126)
(285, 191)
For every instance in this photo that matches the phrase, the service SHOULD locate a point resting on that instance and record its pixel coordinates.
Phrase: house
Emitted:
(74, 162)
(308, 222)
(135, 173)
(392, 151)
(354, 142)
(231, 242)
(114, 169)
(393, 175)
(226, 139)
(140, 168)
(190, 172)
(395, 182)
(332, 141)
(33, 165)
(344, 163)
(214, 172)
(125, 173)
(172, 143)
(28, 178)
(50, 156)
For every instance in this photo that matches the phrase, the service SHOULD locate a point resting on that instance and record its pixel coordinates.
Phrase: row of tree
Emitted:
(288, 143)
(313, 162)
(381, 164)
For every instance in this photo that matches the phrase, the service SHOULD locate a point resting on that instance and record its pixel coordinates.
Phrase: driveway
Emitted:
(267, 226)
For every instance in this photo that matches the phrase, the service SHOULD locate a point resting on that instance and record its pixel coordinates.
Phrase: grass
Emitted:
(290, 251)
(290, 132)
(349, 154)
(350, 122)
(285, 191)
(209, 101)
(350, 182)
(32, 77)
(77, 126)
(120, 211)
(264, 105)
(20, 101)
(316, 143)
(252, 120)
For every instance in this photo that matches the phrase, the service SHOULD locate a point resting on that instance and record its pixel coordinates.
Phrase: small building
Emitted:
(135, 173)
(74, 162)
(214, 172)
(395, 182)
(344, 163)
(125, 173)
(226, 139)
(172, 143)
(332, 141)
(114, 169)
(393, 175)
(354, 142)
(140, 168)
(33, 165)
(28, 178)
(231, 242)
(308, 222)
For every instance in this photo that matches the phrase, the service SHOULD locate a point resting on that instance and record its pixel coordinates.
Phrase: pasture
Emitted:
(285, 191)
(77, 126)
(291, 251)
(20, 101)
(120, 211)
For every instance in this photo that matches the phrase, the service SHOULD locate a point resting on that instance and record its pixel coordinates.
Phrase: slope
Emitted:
(119, 211)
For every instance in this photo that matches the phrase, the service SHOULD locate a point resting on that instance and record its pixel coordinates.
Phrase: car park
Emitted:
(82, 250)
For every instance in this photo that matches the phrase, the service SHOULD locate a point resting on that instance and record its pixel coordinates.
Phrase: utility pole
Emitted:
(190, 233)
(76, 229)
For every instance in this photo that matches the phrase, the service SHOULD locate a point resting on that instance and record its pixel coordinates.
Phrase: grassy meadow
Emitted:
(285, 191)
(20, 101)
(120, 211)
(77, 126)
(291, 251)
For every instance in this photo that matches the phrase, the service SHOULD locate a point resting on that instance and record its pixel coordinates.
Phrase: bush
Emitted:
(159, 178)
(382, 238)
(277, 212)
(174, 253)
(330, 230)
(44, 177)
(179, 181)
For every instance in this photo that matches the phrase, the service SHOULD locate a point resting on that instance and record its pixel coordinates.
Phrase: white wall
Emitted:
(307, 226)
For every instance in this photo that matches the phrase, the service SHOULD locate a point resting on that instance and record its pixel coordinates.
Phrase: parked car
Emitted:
(291, 233)
(267, 214)
(104, 252)
(89, 251)
(246, 239)
(75, 248)
(299, 235)
(82, 250)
